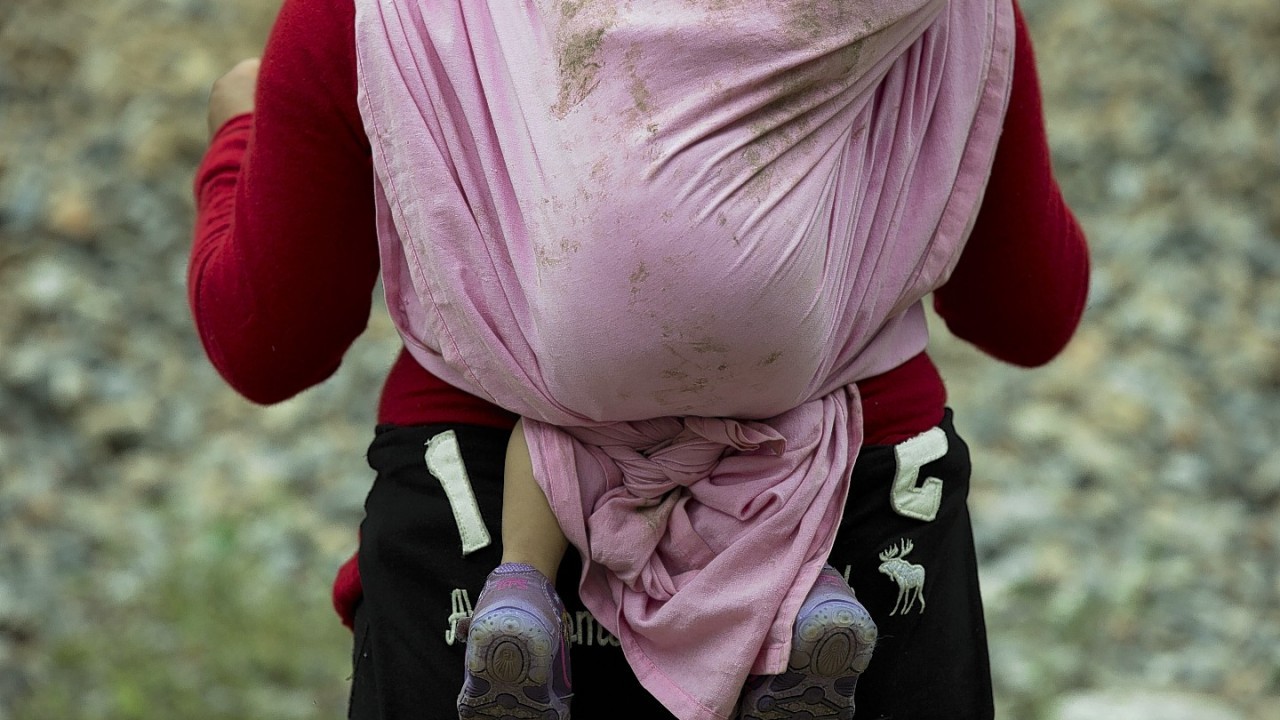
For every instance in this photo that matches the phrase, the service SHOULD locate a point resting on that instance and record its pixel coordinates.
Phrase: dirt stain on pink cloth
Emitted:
(583, 24)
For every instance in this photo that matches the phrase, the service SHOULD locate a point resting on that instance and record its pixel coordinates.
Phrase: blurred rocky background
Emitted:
(166, 547)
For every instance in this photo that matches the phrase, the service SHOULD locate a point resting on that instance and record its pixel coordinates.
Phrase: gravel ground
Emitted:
(165, 547)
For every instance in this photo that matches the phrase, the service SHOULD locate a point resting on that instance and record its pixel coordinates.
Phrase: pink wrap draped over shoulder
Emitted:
(673, 234)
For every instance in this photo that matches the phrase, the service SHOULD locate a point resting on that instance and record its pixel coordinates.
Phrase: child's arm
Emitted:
(1019, 289)
(285, 255)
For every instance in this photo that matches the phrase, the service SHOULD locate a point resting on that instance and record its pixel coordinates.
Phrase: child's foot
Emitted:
(830, 647)
(517, 662)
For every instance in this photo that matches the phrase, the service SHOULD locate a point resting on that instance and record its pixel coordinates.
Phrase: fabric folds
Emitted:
(673, 235)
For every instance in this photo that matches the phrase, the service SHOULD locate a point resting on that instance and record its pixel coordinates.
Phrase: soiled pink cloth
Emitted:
(673, 234)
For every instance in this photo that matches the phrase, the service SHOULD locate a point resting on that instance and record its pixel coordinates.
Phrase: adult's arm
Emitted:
(1019, 288)
(285, 256)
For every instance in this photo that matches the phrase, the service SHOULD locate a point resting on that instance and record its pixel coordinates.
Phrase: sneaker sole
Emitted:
(510, 670)
(830, 649)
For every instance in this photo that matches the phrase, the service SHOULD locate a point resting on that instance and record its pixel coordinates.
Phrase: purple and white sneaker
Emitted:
(517, 661)
(830, 647)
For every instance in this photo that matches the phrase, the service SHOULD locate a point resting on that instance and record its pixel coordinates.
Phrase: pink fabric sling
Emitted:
(673, 234)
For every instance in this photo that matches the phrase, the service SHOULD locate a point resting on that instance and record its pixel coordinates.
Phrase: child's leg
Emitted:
(530, 532)
(517, 659)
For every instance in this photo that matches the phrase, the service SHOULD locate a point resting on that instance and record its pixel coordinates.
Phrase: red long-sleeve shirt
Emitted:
(285, 256)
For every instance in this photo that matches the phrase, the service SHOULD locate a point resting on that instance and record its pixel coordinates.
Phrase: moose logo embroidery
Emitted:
(909, 576)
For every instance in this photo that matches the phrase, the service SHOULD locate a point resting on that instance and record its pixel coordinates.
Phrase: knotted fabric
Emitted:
(673, 235)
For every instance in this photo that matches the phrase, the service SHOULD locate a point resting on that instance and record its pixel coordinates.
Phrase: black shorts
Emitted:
(905, 543)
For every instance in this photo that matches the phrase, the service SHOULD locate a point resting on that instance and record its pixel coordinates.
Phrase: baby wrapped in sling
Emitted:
(672, 235)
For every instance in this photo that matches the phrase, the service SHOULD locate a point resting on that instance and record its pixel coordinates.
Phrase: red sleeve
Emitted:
(1019, 288)
(285, 255)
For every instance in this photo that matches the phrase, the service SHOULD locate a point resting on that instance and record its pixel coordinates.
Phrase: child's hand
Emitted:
(232, 94)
